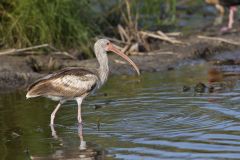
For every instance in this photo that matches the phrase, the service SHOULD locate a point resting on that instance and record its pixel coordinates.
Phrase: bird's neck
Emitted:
(103, 69)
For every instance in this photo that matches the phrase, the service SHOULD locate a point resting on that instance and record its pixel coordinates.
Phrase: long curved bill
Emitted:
(115, 50)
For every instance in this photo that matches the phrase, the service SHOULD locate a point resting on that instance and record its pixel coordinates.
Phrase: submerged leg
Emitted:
(82, 145)
(54, 133)
(54, 112)
(79, 102)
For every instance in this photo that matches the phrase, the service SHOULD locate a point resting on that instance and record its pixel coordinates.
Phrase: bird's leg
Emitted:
(230, 18)
(79, 102)
(54, 112)
(54, 133)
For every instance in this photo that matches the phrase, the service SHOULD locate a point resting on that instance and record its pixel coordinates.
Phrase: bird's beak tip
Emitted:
(138, 73)
(115, 50)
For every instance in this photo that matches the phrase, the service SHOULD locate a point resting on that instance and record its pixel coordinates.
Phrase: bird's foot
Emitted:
(225, 29)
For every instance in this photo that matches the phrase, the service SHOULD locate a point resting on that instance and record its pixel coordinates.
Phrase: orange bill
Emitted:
(115, 50)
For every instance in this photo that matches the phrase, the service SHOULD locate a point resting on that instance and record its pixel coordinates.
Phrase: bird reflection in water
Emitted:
(83, 151)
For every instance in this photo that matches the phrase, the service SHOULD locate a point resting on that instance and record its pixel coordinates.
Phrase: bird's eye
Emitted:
(108, 43)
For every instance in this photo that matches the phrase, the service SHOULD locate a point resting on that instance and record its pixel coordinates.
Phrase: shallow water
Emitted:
(147, 118)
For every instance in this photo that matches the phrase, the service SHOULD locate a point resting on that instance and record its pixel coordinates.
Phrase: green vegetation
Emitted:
(65, 24)
(155, 13)
(73, 24)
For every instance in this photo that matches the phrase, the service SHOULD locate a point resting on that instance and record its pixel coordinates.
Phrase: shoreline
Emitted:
(18, 71)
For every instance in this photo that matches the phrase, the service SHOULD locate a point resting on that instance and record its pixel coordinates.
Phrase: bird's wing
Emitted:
(69, 83)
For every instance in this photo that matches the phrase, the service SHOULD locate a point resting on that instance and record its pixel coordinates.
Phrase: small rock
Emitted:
(200, 87)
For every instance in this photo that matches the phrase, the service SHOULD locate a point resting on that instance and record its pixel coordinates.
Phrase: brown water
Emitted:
(147, 119)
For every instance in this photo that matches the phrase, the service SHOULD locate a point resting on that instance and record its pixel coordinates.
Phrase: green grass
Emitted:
(73, 24)
(63, 23)
(155, 13)
(151, 13)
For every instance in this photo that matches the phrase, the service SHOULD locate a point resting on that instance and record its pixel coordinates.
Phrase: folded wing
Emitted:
(68, 83)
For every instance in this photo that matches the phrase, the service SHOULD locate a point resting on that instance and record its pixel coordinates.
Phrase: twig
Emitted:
(145, 43)
(174, 34)
(126, 48)
(164, 38)
(153, 53)
(14, 51)
(134, 47)
(25, 50)
(123, 34)
(219, 39)
(66, 54)
(162, 34)
(119, 61)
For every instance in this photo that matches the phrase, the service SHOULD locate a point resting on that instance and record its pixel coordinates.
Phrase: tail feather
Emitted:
(29, 95)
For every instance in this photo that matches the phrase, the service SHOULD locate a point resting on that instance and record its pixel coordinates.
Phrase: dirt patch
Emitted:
(17, 72)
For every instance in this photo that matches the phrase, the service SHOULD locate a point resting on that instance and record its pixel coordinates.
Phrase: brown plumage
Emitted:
(63, 84)
(76, 83)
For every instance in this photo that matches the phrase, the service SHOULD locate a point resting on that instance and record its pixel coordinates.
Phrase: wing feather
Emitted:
(66, 83)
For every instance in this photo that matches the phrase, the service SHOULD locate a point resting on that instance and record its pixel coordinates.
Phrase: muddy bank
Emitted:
(18, 71)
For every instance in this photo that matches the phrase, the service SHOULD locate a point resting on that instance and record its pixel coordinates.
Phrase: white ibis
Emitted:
(76, 83)
(227, 3)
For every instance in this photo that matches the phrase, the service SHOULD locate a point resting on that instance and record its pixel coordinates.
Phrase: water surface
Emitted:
(130, 118)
